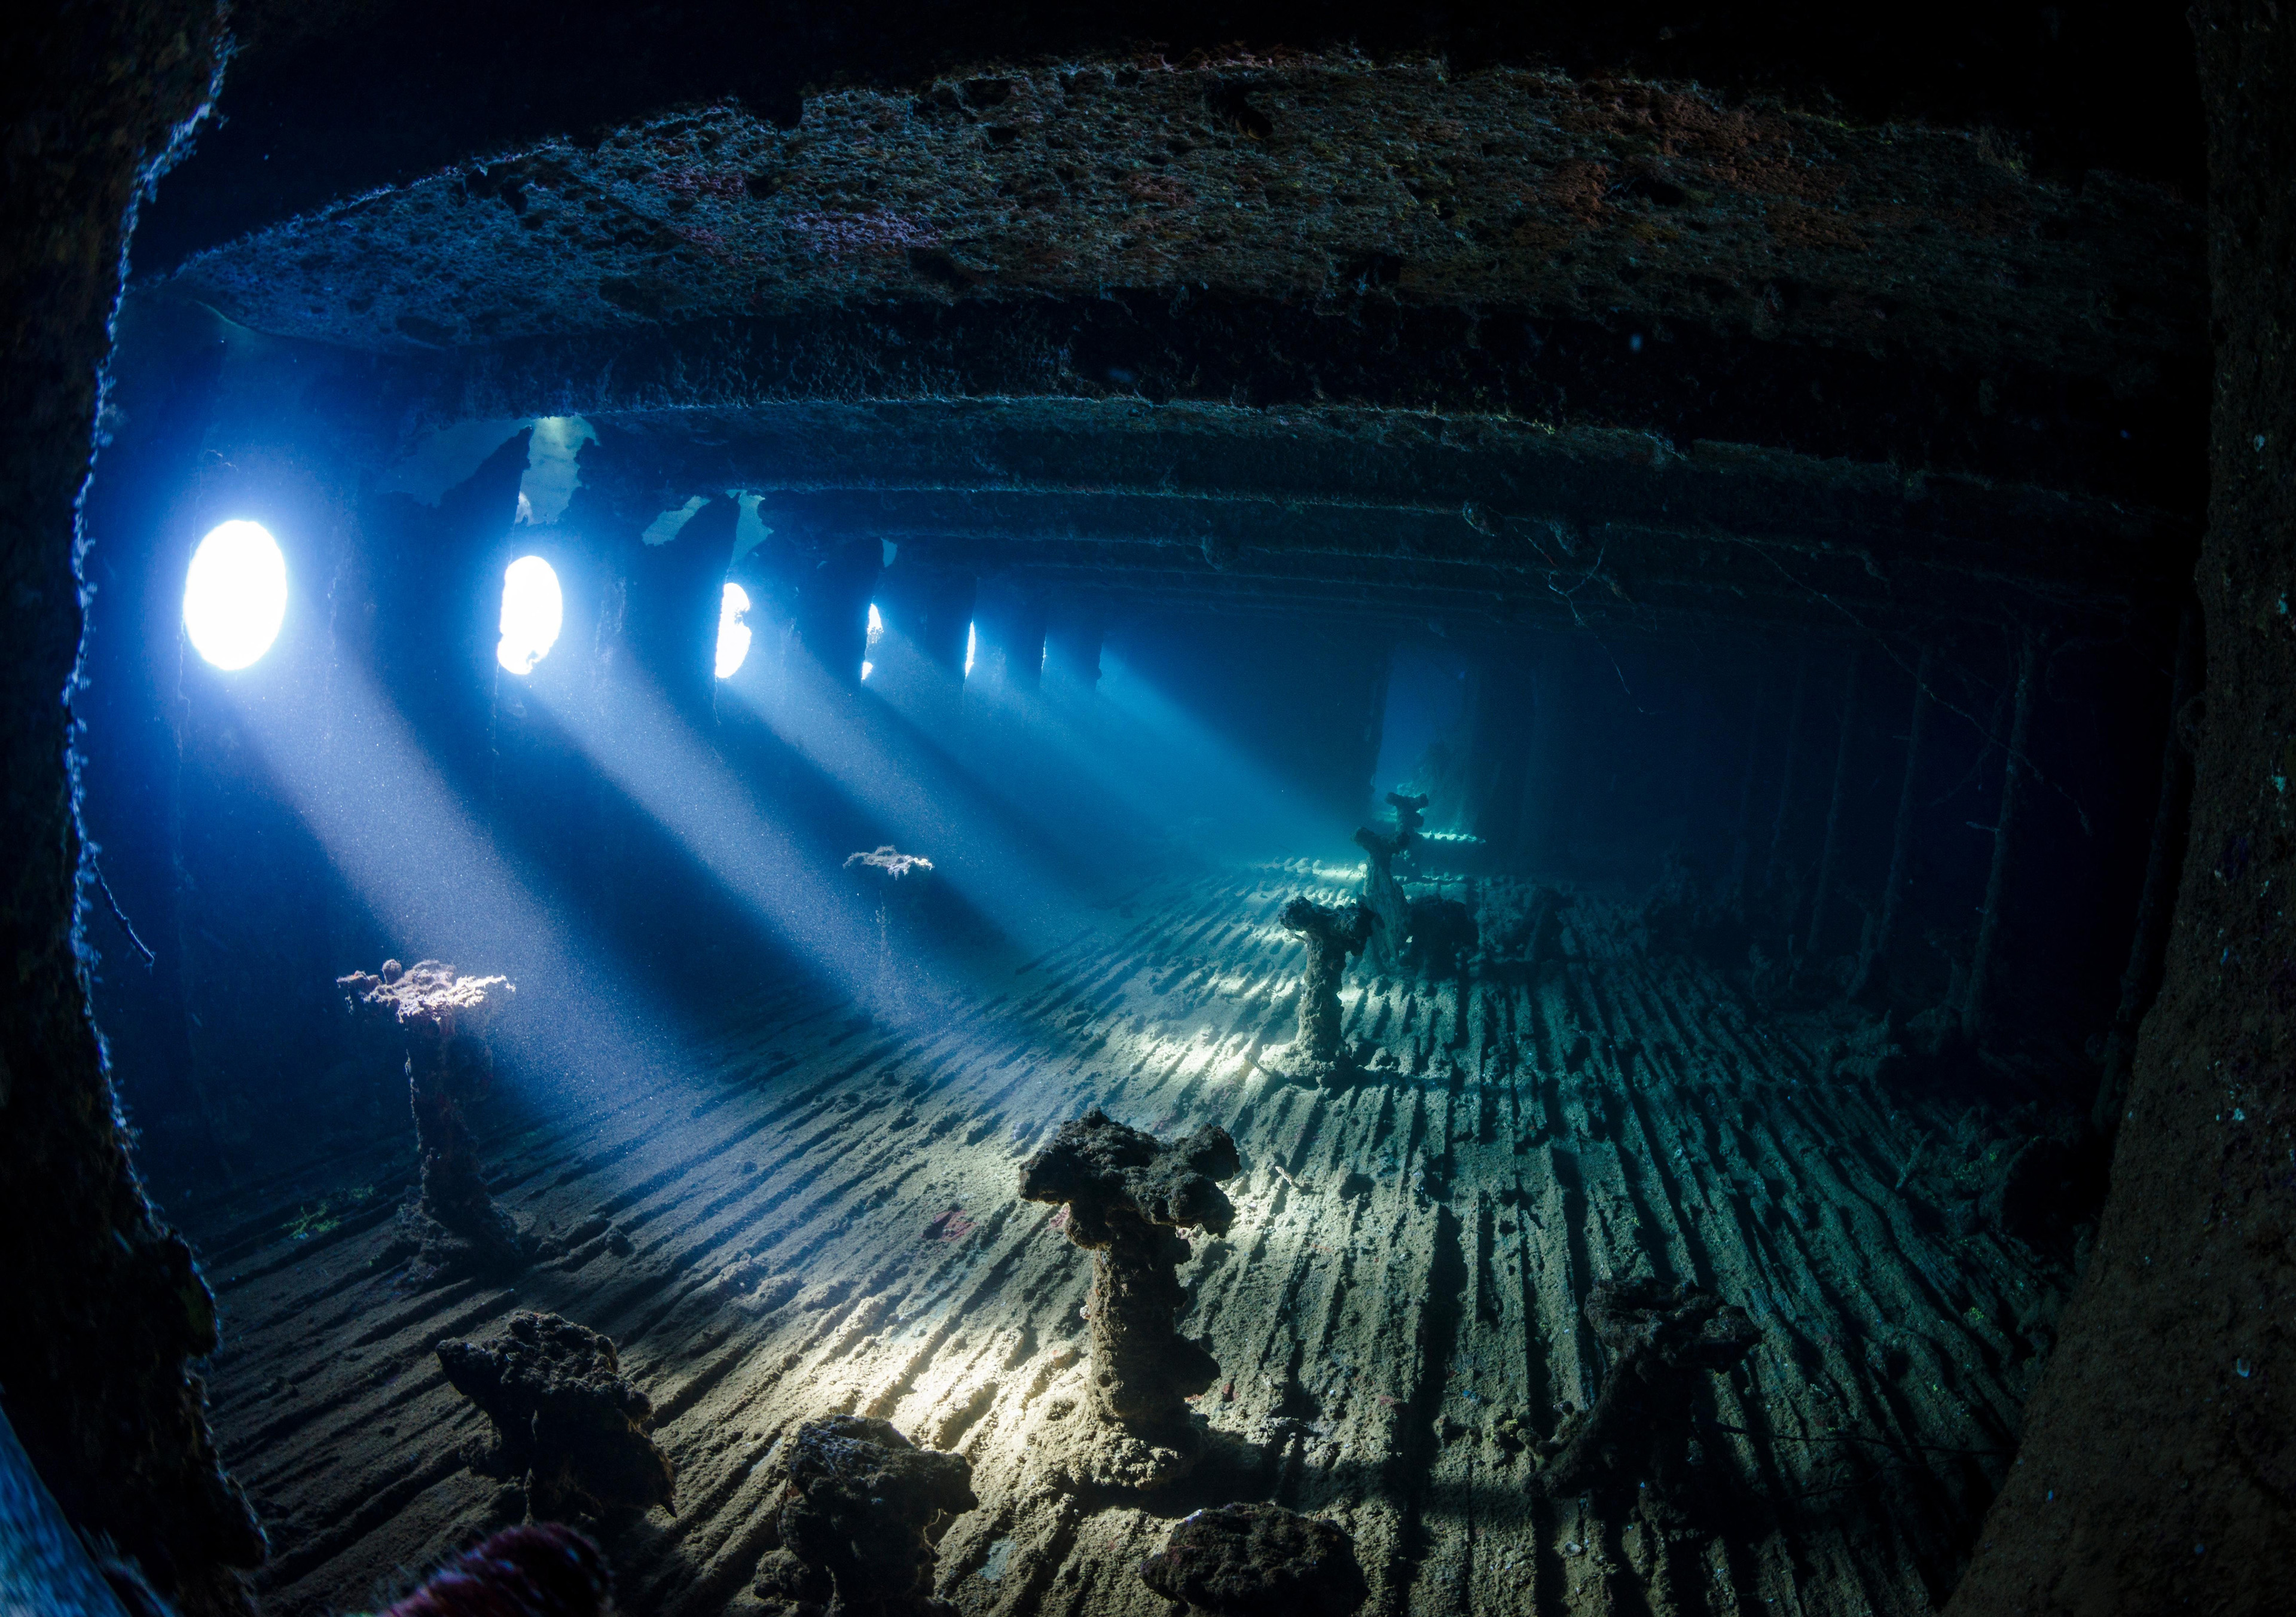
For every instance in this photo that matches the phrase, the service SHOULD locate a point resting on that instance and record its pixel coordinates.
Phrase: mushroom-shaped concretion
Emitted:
(1383, 895)
(1333, 937)
(1128, 1194)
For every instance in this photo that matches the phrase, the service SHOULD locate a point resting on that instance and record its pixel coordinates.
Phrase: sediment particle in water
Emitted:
(1248, 1559)
(1127, 1195)
(565, 1416)
(860, 1510)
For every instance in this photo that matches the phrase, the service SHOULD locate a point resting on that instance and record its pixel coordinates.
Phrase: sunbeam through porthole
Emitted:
(733, 635)
(235, 595)
(533, 611)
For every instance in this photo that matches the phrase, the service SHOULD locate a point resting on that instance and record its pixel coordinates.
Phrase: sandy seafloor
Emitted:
(1404, 1271)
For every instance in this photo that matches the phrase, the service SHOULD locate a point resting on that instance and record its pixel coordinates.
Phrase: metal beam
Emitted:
(1403, 498)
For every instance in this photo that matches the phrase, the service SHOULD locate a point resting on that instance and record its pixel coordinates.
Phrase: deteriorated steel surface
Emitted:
(107, 1311)
(2158, 1465)
(1308, 179)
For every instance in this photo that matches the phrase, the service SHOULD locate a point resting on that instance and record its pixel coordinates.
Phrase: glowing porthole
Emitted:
(876, 634)
(972, 647)
(235, 595)
(533, 611)
(732, 633)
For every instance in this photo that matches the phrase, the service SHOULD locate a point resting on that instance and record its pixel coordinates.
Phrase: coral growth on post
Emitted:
(1410, 812)
(1333, 937)
(566, 1419)
(891, 864)
(859, 1511)
(1127, 1196)
(454, 1229)
(1383, 895)
(896, 885)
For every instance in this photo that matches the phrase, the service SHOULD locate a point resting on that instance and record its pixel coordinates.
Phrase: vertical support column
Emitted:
(1786, 776)
(1872, 979)
(2163, 866)
(919, 661)
(829, 606)
(652, 657)
(670, 619)
(1073, 635)
(1976, 1007)
(1834, 805)
(1573, 746)
(745, 705)
(543, 792)
(1506, 719)
(1559, 699)
(1011, 620)
(811, 613)
(1741, 839)
(929, 612)
(437, 606)
(1376, 723)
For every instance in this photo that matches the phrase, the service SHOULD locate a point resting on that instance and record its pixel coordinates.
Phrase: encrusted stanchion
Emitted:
(1444, 933)
(453, 1228)
(1384, 896)
(1334, 935)
(1634, 1445)
(1128, 1194)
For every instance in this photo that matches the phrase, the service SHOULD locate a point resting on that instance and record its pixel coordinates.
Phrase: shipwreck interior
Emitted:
(868, 810)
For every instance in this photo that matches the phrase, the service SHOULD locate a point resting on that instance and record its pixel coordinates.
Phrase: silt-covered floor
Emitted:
(824, 1218)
